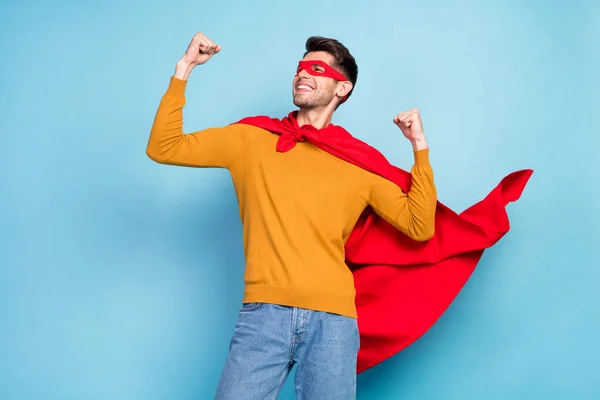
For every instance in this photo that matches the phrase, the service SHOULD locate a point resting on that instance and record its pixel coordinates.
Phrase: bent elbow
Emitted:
(155, 155)
(423, 236)
(424, 229)
(151, 154)
(424, 233)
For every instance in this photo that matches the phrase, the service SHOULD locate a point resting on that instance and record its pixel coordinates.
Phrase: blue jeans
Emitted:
(270, 339)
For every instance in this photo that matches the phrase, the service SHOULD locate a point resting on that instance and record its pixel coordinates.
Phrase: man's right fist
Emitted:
(200, 50)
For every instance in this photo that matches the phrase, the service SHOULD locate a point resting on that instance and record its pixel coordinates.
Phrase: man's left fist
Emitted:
(411, 126)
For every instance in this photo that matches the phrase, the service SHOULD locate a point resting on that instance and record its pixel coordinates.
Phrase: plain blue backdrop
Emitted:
(120, 279)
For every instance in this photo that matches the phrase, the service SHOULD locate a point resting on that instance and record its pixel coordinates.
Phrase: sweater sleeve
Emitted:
(213, 147)
(412, 213)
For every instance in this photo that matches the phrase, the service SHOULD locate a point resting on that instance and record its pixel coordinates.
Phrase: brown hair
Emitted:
(345, 63)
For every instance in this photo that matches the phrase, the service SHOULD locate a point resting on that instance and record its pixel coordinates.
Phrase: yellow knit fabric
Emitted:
(297, 208)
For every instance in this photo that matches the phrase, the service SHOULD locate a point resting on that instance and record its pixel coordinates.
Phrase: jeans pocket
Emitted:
(247, 307)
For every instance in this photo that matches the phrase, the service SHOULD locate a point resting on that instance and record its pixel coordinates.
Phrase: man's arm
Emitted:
(412, 213)
(215, 147)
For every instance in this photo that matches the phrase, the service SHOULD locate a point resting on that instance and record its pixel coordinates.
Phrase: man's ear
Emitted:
(344, 88)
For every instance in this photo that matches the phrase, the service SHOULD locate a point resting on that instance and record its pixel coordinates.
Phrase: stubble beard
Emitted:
(320, 99)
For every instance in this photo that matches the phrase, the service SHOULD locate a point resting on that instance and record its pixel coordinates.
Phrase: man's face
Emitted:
(314, 91)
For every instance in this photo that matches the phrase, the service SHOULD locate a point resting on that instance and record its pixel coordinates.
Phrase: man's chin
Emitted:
(302, 104)
(312, 103)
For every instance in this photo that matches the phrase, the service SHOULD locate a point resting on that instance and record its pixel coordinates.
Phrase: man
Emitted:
(298, 205)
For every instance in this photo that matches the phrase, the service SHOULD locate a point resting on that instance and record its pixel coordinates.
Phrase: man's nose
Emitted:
(303, 74)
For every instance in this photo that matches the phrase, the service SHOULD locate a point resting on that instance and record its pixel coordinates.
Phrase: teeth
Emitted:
(305, 87)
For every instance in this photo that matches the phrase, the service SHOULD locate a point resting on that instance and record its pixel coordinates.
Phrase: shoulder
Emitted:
(251, 133)
(244, 127)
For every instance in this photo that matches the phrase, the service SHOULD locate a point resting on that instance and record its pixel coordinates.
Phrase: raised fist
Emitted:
(410, 124)
(200, 50)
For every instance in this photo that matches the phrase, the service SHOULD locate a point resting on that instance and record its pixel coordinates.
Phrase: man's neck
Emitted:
(317, 117)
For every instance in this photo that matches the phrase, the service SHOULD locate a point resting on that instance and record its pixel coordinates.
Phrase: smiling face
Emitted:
(312, 91)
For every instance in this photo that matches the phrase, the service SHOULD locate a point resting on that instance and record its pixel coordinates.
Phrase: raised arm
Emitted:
(168, 144)
(412, 213)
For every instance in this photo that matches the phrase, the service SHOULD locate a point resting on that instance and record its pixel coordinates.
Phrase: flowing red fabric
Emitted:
(403, 286)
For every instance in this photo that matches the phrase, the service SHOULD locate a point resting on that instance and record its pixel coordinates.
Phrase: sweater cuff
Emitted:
(177, 87)
(422, 157)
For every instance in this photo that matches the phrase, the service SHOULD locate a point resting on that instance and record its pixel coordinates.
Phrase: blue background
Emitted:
(121, 278)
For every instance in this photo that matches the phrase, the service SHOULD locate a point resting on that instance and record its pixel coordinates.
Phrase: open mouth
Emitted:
(303, 87)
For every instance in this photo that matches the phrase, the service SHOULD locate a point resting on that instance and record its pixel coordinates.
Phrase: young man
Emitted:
(298, 205)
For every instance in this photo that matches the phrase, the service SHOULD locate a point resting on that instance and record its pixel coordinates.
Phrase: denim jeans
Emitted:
(270, 339)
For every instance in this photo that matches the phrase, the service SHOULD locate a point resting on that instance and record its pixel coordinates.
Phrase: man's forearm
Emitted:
(183, 70)
(419, 143)
(422, 197)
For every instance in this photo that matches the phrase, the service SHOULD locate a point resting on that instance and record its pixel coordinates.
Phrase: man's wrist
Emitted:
(183, 69)
(419, 144)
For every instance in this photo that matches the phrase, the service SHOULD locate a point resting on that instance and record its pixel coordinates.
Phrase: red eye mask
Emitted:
(326, 71)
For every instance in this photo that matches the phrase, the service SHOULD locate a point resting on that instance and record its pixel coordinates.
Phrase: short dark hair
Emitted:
(345, 62)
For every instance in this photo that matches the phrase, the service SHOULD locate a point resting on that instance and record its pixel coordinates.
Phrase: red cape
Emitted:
(403, 286)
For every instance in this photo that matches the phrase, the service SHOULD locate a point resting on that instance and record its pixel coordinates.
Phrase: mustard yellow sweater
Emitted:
(297, 208)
